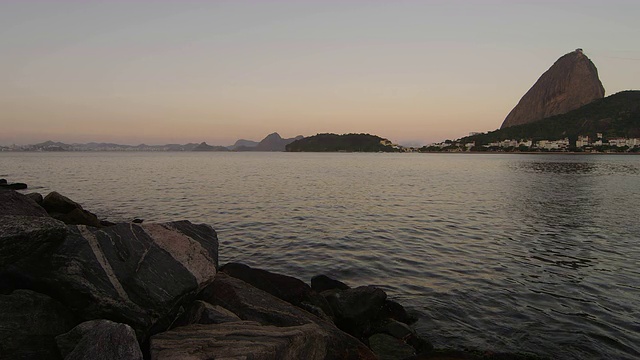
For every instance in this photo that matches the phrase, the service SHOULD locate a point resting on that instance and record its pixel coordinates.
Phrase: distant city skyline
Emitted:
(414, 72)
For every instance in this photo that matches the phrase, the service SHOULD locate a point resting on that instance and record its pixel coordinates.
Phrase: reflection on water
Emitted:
(509, 252)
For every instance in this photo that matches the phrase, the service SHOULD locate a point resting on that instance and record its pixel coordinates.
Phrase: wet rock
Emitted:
(24, 236)
(321, 283)
(393, 310)
(68, 211)
(240, 340)
(37, 197)
(202, 312)
(139, 275)
(387, 347)
(3, 181)
(396, 329)
(14, 203)
(13, 186)
(253, 304)
(99, 340)
(356, 310)
(29, 323)
(287, 288)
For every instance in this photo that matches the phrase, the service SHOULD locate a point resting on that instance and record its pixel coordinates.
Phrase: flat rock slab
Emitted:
(99, 340)
(29, 323)
(240, 340)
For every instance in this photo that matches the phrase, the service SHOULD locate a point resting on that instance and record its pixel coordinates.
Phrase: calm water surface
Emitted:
(535, 253)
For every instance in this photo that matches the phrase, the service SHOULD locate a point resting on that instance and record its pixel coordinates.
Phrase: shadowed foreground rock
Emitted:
(68, 211)
(253, 304)
(14, 203)
(140, 275)
(29, 323)
(240, 340)
(99, 340)
(23, 236)
(287, 288)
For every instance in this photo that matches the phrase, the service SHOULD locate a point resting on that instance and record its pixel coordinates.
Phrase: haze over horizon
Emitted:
(192, 71)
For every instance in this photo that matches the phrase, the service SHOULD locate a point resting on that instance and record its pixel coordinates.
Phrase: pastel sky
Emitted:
(161, 72)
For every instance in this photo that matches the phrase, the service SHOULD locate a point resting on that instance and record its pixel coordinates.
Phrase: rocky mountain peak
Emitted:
(571, 82)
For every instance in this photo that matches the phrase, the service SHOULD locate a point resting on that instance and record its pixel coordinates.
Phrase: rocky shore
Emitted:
(73, 286)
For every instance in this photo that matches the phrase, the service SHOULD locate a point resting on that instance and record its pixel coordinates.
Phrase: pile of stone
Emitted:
(74, 287)
(133, 291)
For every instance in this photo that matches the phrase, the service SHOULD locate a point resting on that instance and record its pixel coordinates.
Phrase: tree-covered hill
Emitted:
(615, 116)
(346, 142)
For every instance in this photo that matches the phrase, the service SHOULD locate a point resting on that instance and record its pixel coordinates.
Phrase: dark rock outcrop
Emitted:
(140, 275)
(253, 304)
(202, 312)
(321, 283)
(241, 340)
(24, 236)
(99, 340)
(356, 310)
(13, 186)
(569, 84)
(68, 211)
(29, 323)
(14, 203)
(287, 288)
(37, 197)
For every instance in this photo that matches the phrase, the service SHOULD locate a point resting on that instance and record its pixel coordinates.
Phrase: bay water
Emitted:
(508, 252)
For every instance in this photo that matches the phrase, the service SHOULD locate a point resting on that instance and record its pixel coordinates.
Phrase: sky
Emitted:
(414, 72)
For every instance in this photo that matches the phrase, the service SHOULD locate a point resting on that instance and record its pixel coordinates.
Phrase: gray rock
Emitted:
(287, 288)
(356, 309)
(14, 203)
(253, 304)
(387, 347)
(13, 186)
(24, 236)
(29, 323)
(68, 211)
(240, 340)
(202, 312)
(99, 340)
(321, 283)
(139, 275)
(37, 197)
(397, 329)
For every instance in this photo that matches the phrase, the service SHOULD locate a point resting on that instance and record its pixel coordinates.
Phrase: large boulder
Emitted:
(24, 236)
(570, 83)
(287, 288)
(240, 340)
(29, 323)
(321, 283)
(68, 211)
(99, 340)
(357, 310)
(253, 304)
(14, 203)
(139, 275)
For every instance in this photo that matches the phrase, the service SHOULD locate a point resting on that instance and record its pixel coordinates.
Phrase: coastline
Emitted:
(361, 319)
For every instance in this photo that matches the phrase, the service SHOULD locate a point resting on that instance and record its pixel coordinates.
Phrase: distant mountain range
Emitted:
(273, 142)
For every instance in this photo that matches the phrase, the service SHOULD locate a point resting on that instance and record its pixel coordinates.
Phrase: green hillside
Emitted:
(615, 116)
(346, 142)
